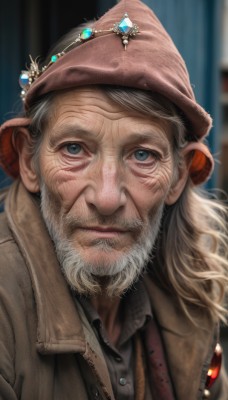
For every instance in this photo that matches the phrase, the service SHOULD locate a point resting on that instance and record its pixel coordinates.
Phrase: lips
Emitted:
(103, 232)
(103, 229)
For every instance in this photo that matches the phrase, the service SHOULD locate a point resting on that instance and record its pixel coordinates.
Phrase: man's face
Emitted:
(105, 177)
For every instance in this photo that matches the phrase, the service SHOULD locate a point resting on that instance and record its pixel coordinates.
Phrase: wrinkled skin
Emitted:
(107, 166)
(100, 160)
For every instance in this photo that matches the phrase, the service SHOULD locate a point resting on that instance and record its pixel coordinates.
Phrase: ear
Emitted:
(22, 144)
(180, 180)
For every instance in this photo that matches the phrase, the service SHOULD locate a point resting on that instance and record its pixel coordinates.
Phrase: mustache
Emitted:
(116, 222)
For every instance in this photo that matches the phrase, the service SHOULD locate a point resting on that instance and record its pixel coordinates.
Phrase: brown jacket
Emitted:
(46, 343)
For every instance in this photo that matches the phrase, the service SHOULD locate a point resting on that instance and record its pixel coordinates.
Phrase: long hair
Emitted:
(192, 253)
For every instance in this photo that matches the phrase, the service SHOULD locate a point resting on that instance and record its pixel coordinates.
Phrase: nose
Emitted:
(106, 193)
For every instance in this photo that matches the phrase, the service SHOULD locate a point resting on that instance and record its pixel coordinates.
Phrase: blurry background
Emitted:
(199, 29)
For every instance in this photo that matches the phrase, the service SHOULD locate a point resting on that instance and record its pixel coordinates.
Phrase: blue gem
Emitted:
(86, 33)
(24, 80)
(54, 58)
(125, 25)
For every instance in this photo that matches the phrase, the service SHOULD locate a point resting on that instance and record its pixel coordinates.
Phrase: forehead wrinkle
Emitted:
(101, 107)
(109, 114)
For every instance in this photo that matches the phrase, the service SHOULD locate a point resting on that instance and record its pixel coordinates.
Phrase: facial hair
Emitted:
(113, 277)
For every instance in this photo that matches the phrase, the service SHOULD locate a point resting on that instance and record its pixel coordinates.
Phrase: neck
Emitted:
(109, 311)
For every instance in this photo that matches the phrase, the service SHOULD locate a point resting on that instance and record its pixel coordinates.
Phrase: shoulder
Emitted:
(16, 291)
(14, 276)
(17, 306)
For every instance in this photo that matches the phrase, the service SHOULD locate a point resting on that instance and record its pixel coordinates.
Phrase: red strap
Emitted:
(159, 378)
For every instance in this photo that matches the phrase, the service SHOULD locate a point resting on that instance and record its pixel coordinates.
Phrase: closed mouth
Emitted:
(111, 229)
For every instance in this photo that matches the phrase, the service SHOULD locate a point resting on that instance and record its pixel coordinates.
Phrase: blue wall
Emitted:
(10, 57)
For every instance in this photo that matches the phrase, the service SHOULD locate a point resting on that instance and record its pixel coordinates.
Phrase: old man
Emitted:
(112, 263)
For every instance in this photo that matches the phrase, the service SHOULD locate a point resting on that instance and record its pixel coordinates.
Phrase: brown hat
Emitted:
(150, 62)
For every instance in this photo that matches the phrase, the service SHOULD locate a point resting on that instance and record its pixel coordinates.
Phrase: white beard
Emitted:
(87, 278)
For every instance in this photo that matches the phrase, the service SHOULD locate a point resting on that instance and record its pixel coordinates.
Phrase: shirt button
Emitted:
(123, 381)
(118, 359)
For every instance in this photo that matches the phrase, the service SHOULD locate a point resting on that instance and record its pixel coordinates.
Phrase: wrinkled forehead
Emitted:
(91, 110)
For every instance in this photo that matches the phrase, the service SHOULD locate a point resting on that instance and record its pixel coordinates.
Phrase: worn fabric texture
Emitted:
(150, 62)
(47, 345)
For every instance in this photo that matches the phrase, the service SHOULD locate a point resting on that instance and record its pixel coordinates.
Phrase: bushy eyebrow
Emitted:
(149, 137)
(75, 129)
(153, 137)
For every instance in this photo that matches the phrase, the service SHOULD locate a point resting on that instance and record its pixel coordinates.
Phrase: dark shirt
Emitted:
(137, 311)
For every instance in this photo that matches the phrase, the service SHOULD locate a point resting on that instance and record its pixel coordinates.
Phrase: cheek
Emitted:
(148, 198)
(149, 191)
(65, 185)
(154, 183)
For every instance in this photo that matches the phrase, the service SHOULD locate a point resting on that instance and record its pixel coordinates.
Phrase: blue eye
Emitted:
(141, 155)
(73, 148)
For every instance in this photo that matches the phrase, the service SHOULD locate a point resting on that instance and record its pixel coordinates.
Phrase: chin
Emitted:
(103, 264)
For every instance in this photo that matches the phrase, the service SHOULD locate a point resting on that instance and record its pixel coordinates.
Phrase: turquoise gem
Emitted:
(54, 58)
(86, 33)
(125, 25)
(24, 80)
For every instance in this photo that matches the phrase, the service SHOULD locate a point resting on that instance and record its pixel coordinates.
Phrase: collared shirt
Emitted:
(120, 358)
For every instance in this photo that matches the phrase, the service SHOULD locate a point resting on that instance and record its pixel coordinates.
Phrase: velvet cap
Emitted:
(151, 62)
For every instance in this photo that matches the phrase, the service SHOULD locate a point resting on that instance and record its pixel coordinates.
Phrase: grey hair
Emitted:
(190, 259)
